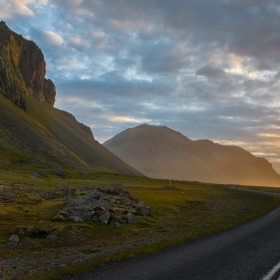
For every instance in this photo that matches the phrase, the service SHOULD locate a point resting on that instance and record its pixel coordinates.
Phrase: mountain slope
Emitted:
(160, 152)
(29, 124)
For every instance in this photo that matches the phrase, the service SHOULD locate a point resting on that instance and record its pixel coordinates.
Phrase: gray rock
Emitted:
(36, 199)
(77, 219)
(131, 218)
(7, 195)
(14, 238)
(117, 225)
(52, 235)
(59, 172)
(60, 217)
(21, 231)
(104, 218)
(64, 190)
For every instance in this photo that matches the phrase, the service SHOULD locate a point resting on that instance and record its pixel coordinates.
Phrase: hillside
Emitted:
(30, 125)
(160, 152)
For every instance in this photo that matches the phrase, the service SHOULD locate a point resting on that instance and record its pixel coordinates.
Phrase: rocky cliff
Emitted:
(22, 70)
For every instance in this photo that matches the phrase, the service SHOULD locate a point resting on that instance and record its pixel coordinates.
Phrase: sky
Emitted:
(208, 69)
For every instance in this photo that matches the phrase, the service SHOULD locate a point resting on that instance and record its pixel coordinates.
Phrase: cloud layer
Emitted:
(209, 69)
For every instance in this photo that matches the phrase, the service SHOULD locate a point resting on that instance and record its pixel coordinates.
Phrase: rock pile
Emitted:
(106, 204)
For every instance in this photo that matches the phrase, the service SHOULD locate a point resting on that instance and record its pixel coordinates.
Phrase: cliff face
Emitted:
(22, 70)
(49, 91)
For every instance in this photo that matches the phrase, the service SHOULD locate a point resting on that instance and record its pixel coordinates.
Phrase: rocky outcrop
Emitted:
(49, 90)
(106, 204)
(22, 70)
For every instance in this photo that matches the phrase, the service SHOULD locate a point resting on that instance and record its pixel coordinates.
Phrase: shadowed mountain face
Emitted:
(160, 152)
(29, 123)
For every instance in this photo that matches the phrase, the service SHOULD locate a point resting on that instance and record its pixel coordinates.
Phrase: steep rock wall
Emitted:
(22, 70)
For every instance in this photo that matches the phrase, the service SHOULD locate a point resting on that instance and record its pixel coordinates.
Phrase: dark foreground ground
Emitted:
(248, 251)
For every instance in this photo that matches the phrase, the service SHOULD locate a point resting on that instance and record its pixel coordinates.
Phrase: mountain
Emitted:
(30, 125)
(160, 152)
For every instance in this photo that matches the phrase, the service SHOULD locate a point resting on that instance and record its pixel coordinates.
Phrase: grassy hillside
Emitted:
(48, 133)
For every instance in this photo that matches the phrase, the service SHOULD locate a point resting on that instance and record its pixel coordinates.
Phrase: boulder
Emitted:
(36, 199)
(117, 225)
(104, 218)
(52, 235)
(131, 218)
(14, 238)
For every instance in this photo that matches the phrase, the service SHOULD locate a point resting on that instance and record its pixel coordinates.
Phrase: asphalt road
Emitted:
(248, 251)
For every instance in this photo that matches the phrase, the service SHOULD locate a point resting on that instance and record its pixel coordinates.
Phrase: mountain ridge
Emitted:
(160, 152)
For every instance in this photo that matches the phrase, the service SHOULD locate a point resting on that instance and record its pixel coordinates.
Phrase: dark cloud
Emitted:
(212, 72)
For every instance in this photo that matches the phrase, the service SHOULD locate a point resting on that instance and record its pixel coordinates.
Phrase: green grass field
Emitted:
(181, 212)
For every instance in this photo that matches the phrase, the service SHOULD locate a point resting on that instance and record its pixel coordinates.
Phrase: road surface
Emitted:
(248, 251)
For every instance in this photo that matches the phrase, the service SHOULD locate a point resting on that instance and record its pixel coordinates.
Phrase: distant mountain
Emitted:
(29, 123)
(160, 152)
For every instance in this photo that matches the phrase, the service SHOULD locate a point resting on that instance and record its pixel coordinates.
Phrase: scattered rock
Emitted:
(21, 231)
(7, 195)
(117, 225)
(52, 235)
(64, 190)
(59, 172)
(14, 238)
(36, 199)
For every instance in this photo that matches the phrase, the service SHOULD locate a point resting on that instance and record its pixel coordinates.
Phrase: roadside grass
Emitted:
(182, 212)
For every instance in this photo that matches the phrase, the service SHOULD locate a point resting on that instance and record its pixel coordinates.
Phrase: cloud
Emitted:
(8, 9)
(11, 8)
(53, 38)
(123, 119)
(269, 135)
(209, 71)
(46, 37)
